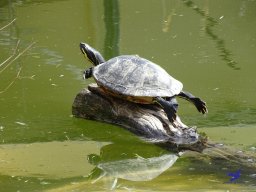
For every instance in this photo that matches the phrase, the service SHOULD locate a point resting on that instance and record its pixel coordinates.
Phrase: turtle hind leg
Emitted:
(169, 108)
(199, 104)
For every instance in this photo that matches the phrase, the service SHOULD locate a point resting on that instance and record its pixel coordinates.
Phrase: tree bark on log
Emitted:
(147, 121)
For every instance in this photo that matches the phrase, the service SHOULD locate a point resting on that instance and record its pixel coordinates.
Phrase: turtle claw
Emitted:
(172, 116)
(171, 113)
(200, 105)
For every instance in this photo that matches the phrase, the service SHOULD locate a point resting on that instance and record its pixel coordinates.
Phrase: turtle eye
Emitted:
(83, 48)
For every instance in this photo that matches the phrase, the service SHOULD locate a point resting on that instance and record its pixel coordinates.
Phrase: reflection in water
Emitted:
(220, 44)
(111, 18)
(167, 17)
(130, 166)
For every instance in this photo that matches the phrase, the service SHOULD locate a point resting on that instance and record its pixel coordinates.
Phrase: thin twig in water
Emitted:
(13, 54)
(12, 82)
(13, 59)
(20, 54)
(8, 24)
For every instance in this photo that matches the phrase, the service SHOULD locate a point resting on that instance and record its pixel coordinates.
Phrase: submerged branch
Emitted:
(230, 155)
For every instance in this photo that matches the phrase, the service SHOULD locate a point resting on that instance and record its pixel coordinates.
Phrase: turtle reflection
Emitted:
(132, 167)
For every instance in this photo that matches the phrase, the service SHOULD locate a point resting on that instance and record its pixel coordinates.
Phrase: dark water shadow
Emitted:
(225, 54)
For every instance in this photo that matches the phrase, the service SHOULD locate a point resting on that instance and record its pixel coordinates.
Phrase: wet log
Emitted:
(147, 121)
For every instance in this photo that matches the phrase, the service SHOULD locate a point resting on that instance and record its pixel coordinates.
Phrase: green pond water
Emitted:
(209, 45)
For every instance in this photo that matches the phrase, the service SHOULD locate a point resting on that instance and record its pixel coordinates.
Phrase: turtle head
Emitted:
(91, 54)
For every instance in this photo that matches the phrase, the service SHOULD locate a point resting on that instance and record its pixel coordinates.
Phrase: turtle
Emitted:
(138, 80)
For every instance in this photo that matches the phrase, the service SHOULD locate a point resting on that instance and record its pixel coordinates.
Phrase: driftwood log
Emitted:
(147, 121)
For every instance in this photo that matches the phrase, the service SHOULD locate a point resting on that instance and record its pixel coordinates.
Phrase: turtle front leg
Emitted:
(169, 107)
(200, 104)
(88, 73)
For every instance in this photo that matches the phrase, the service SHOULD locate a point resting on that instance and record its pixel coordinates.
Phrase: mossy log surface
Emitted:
(147, 121)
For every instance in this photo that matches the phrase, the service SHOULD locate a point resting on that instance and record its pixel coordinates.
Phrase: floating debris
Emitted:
(45, 183)
(20, 123)
(221, 17)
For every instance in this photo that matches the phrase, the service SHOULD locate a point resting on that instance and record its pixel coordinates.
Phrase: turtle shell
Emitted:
(131, 75)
